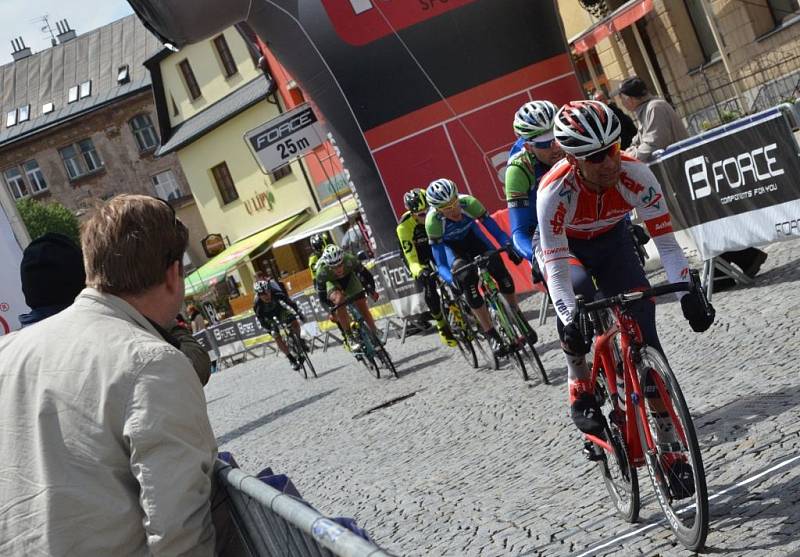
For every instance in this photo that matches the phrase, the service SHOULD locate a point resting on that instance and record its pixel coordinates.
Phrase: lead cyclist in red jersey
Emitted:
(581, 206)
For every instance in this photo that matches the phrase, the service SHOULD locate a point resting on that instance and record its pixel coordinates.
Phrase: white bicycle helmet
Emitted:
(534, 119)
(332, 255)
(585, 127)
(441, 192)
(261, 287)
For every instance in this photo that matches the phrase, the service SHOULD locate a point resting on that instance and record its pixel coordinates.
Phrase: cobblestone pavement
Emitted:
(477, 462)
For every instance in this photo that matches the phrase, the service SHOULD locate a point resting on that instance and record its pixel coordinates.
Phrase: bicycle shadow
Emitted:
(775, 505)
(272, 416)
(414, 356)
(731, 421)
(421, 365)
(332, 370)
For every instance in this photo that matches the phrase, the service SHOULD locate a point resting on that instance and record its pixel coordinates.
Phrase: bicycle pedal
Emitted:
(591, 453)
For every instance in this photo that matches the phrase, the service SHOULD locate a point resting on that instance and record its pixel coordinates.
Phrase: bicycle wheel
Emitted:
(529, 348)
(674, 460)
(295, 348)
(305, 361)
(386, 359)
(457, 326)
(498, 312)
(368, 351)
(620, 478)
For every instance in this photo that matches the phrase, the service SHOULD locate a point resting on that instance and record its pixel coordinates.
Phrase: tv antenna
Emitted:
(46, 28)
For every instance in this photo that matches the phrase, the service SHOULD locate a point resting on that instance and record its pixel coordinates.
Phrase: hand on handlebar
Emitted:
(699, 316)
(515, 258)
(574, 341)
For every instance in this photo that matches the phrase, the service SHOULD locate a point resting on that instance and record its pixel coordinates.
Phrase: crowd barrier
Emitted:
(271, 523)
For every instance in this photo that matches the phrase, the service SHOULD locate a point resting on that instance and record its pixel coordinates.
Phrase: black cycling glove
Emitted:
(515, 258)
(574, 341)
(694, 312)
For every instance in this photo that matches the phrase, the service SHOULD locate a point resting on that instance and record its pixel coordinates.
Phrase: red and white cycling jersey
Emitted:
(568, 209)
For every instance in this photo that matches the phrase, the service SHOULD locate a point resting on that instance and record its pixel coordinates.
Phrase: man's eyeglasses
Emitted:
(546, 144)
(599, 156)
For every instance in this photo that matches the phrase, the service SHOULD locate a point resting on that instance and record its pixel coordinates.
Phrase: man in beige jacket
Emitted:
(106, 442)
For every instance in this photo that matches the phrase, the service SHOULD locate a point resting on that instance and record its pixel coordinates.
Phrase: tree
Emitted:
(41, 218)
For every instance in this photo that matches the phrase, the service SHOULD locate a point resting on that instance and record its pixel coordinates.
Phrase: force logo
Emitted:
(558, 218)
(759, 164)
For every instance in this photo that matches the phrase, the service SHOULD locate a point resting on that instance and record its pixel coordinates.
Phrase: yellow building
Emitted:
(208, 95)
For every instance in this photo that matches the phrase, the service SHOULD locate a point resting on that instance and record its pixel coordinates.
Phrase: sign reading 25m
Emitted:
(283, 139)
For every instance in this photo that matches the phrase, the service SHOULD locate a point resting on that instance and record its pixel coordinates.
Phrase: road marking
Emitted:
(617, 541)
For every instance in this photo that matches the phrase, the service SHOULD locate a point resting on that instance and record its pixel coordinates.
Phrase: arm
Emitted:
(405, 234)
(172, 453)
(439, 251)
(520, 212)
(322, 290)
(655, 132)
(366, 278)
(553, 213)
(194, 351)
(477, 211)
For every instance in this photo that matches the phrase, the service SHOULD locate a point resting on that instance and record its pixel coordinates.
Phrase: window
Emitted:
(123, 74)
(166, 186)
(701, 28)
(15, 183)
(189, 79)
(225, 186)
(90, 156)
(281, 172)
(144, 132)
(11, 118)
(80, 159)
(24, 113)
(47, 108)
(782, 9)
(225, 56)
(35, 176)
(73, 94)
(86, 89)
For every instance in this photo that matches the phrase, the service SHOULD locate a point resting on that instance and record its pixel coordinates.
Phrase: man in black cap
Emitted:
(659, 124)
(659, 127)
(52, 276)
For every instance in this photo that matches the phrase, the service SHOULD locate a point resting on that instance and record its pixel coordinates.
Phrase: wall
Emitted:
(209, 73)
(226, 143)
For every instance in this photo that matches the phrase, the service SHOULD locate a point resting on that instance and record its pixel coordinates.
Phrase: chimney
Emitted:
(65, 34)
(18, 49)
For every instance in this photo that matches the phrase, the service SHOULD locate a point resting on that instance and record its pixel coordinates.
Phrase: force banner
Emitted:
(735, 187)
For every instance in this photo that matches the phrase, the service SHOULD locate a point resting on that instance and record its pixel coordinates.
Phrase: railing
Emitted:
(275, 524)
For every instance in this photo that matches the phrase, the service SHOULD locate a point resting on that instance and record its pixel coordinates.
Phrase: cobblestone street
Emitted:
(477, 462)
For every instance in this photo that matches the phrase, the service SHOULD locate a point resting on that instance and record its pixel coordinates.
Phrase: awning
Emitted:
(326, 219)
(215, 269)
(624, 16)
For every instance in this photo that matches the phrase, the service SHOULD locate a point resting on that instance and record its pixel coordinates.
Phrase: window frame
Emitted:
(34, 177)
(85, 89)
(86, 160)
(147, 130)
(778, 22)
(20, 178)
(707, 57)
(50, 105)
(90, 155)
(72, 95)
(154, 180)
(23, 113)
(227, 191)
(281, 172)
(189, 79)
(225, 56)
(11, 118)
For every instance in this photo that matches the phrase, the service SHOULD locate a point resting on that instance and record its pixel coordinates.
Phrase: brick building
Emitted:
(752, 63)
(78, 124)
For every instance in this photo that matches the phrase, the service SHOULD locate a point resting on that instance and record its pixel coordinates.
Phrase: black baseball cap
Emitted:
(632, 87)
(52, 271)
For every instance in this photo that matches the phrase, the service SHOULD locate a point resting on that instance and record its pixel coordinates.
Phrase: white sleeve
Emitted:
(553, 212)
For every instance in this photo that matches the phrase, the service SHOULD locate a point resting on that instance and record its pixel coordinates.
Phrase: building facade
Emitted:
(208, 96)
(714, 60)
(79, 126)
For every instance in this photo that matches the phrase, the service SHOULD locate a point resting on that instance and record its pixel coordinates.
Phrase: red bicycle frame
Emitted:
(631, 342)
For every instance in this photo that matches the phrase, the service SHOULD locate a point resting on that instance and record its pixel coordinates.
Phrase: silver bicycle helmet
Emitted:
(332, 255)
(534, 119)
(585, 127)
(441, 192)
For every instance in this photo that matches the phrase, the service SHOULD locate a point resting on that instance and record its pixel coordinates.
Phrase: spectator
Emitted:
(52, 276)
(353, 240)
(106, 437)
(659, 127)
(196, 318)
(628, 127)
(659, 124)
(180, 335)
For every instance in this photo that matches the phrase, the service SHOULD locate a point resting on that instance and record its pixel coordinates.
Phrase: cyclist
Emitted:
(455, 238)
(532, 156)
(417, 251)
(318, 243)
(271, 304)
(341, 276)
(582, 204)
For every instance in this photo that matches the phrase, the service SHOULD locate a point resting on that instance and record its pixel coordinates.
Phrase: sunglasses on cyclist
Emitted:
(599, 156)
(545, 144)
(452, 205)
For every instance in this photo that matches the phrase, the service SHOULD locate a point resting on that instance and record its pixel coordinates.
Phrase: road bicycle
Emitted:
(647, 421)
(464, 327)
(517, 334)
(372, 352)
(297, 348)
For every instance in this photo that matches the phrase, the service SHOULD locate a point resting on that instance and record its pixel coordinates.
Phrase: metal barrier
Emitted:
(275, 524)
